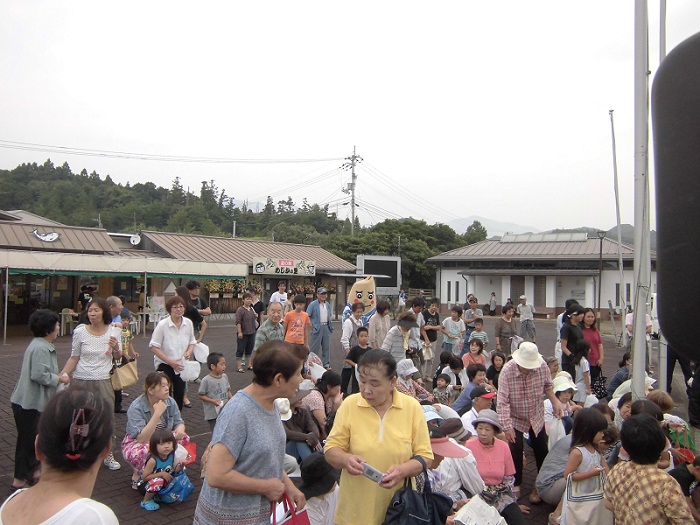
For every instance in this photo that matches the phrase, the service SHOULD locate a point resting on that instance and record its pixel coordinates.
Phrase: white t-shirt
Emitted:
(581, 368)
(83, 511)
(454, 328)
(279, 298)
(94, 352)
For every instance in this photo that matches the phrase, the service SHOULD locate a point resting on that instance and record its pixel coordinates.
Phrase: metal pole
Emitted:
(620, 266)
(663, 345)
(600, 271)
(7, 298)
(642, 256)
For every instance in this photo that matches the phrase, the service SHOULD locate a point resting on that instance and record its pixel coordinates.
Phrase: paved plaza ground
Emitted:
(113, 487)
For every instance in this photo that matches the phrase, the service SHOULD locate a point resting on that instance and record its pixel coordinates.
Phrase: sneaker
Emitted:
(111, 463)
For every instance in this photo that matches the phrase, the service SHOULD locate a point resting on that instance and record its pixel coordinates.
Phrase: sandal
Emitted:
(149, 505)
(250, 368)
(135, 484)
(241, 371)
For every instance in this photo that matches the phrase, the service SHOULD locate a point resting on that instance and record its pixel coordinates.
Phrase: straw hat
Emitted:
(528, 356)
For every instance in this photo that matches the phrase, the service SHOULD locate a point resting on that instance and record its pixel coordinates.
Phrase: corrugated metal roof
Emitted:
(30, 218)
(222, 249)
(536, 250)
(24, 236)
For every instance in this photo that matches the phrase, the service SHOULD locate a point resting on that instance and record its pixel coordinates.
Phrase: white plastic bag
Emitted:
(201, 352)
(191, 371)
(316, 371)
(590, 401)
(557, 352)
(515, 343)
(556, 432)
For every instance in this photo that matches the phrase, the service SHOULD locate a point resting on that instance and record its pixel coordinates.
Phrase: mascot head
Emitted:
(364, 292)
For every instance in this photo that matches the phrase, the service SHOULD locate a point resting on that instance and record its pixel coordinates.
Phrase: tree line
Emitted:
(83, 199)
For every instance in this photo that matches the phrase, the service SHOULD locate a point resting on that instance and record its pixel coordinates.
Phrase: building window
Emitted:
(628, 293)
(456, 291)
(449, 291)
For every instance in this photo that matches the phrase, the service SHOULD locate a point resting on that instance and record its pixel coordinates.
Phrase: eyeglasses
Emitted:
(178, 307)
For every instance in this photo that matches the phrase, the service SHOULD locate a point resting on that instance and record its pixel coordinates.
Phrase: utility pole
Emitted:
(352, 161)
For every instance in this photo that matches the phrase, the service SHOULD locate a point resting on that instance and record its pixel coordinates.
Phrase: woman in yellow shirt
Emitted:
(380, 427)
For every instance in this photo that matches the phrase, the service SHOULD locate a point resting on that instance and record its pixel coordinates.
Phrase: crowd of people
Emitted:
(338, 446)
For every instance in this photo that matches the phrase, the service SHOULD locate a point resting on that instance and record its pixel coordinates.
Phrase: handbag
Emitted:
(586, 507)
(124, 374)
(410, 507)
(599, 387)
(178, 489)
(687, 454)
(289, 514)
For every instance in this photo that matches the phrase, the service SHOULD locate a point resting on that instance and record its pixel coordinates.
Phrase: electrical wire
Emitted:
(29, 146)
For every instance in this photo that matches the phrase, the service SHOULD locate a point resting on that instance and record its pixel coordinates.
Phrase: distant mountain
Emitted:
(493, 228)
(628, 235)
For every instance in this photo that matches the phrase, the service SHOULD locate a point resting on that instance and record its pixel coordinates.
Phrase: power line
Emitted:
(48, 148)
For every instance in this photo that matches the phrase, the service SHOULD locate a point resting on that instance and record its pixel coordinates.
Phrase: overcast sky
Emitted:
(458, 108)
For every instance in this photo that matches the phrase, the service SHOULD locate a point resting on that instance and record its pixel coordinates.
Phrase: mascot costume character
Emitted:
(363, 291)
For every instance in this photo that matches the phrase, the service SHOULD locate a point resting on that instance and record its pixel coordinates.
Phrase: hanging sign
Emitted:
(291, 267)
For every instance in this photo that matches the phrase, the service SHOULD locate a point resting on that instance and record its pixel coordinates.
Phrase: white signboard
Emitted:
(286, 267)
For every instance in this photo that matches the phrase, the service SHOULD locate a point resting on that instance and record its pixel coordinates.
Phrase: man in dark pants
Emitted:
(671, 357)
(520, 407)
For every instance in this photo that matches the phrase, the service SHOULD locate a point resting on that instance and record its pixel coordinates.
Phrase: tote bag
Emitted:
(585, 508)
(124, 374)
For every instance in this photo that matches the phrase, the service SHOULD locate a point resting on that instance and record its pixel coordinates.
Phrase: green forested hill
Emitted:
(79, 199)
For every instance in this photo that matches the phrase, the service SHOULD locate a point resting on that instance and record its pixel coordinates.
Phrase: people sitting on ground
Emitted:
(324, 400)
(482, 398)
(152, 409)
(476, 373)
(319, 483)
(564, 390)
(159, 468)
(74, 437)
(458, 375)
(475, 355)
(459, 477)
(637, 491)
(622, 374)
(300, 427)
(442, 393)
(495, 465)
(407, 385)
(498, 359)
(688, 477)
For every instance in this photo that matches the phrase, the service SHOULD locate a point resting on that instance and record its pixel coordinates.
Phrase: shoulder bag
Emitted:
(410, 507)
(124, 373)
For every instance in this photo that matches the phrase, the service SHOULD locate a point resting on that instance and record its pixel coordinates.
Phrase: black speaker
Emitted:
(675, 109)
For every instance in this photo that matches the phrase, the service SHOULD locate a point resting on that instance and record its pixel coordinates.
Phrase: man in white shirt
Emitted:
(482, 397)
(280, 296)
(458, 473)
